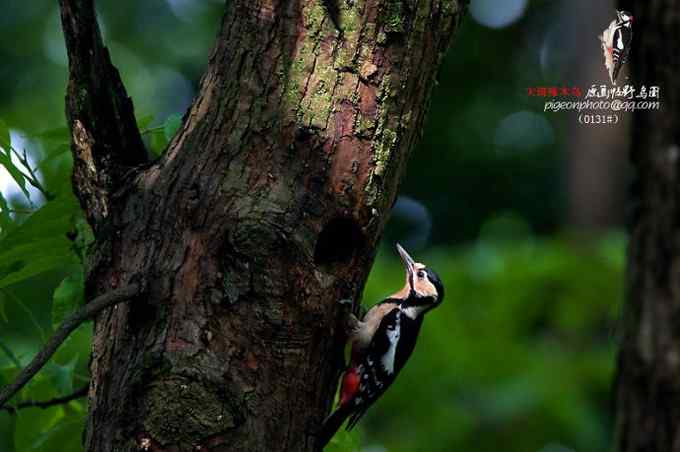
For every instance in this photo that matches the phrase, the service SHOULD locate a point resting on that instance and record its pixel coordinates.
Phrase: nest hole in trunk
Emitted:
(339, 242)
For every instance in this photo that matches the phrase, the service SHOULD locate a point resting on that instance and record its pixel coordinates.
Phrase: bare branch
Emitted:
(105, 140)
(65, 329)
(82, 392)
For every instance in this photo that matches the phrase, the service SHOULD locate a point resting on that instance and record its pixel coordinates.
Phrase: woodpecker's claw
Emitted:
(352, 325)
(346, 301)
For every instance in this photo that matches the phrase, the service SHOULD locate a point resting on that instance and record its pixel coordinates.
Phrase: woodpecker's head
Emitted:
(624, 18)
(424, 286)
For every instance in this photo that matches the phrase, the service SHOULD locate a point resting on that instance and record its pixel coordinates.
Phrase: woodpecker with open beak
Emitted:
(382, 342)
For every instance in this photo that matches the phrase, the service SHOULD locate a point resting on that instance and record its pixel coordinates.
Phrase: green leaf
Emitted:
(144, 122)
(53, 153)
(58, 135)
(17, 175)
(3, 313)
(40, 243)
(64, 435)
(56, 167)
(61, 376)
(157, 142)
(9, 374)
(7, 425)
(172, 124)
(10, 355)
(52, 221)
(344, 441)
(37, 266)
(5, 219)
(5, 140)
(67, 298)
(6, 159)
(84, 238)
(33, 422)
(159, 137)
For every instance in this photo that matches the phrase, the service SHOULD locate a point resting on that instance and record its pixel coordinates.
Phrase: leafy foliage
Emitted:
(344, 441)
(159, 137)
(37, 250)
(42, 250)
(67, 297)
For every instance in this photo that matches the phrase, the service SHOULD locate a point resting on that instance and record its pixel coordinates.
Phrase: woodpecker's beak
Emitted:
(408, 261)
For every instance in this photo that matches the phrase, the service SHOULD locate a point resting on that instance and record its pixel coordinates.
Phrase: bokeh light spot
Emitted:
(524, 130)
(497, 13)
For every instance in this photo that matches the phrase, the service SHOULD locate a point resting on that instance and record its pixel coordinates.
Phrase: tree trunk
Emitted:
(264, 211)
(648, 387)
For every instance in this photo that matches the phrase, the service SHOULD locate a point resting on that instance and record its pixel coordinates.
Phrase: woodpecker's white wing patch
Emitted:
(619, 41)
(393, 334)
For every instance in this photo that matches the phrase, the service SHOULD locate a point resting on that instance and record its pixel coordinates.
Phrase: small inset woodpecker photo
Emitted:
(616, 40)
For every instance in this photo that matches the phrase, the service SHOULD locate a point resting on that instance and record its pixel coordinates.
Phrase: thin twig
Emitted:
(33, 179)
(82, 392)
(9, 155)
(86, 312)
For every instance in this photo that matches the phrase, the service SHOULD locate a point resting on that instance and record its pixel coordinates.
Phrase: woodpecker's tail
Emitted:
(331, 425)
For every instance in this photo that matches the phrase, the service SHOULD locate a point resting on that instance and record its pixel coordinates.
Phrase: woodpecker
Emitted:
(382, 342)
(616, 40)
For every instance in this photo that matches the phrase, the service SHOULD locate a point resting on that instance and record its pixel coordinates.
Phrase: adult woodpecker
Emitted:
(382, 342)
(616, 40)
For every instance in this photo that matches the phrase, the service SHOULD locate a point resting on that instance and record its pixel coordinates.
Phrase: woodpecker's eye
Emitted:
(421, 274)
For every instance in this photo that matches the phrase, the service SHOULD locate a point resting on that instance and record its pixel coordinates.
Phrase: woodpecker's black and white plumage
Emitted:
(616, 40)
(382, 342)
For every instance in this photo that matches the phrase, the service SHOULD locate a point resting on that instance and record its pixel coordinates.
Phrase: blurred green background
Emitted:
(518, 211)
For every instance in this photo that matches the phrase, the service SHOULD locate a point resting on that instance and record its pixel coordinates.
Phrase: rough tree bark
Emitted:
(264, 211)
(648, 387)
